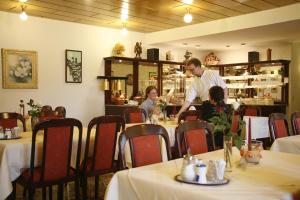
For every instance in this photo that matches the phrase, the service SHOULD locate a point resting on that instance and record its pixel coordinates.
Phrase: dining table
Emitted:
(15, 157)
(277, 175)
(15, 154)
(290, 144)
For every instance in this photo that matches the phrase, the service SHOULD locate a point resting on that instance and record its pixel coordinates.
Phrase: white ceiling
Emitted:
(281, 33)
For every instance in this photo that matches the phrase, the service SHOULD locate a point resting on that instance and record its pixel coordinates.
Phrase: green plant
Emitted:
(35, 109)
(222, 124)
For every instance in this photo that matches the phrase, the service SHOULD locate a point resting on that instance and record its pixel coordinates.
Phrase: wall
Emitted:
(50, 38)
(294, 79)
(241, 55)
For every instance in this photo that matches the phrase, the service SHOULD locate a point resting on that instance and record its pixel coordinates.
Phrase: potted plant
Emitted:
(34, 112)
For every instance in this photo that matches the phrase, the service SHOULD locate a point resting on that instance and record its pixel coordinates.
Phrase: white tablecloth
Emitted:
(289, 144)
(15, 157)
(277, 174)
(259, 127)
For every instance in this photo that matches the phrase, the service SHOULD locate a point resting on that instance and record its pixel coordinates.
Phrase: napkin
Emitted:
(216, 169)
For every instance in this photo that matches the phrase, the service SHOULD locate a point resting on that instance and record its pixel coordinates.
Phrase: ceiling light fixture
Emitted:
(227, 46)
(23, 15)
(197, 46)
(188, 18)
(243, 44)
(124, 30)
(188, 2)
(184, 44)
(23, 1)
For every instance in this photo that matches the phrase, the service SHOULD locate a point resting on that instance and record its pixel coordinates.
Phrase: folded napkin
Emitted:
(216, 169)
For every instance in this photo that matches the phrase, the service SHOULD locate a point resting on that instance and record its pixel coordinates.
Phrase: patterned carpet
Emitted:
(69, 192)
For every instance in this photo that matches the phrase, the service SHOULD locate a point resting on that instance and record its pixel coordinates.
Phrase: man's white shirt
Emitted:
(201, 85)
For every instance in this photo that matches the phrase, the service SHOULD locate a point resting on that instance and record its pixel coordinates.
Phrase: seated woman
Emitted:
(151, 97)
(214, 105)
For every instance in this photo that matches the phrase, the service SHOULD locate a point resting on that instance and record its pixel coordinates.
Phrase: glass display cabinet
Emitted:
(263, 83)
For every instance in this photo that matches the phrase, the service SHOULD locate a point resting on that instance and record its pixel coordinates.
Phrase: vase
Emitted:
(227, 145)
(34, 121)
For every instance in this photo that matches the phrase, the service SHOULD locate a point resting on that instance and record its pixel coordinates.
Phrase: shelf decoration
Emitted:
(118, 50)
(211, 59)
(138, 49)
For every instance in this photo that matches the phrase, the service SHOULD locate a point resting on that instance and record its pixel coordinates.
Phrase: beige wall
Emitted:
(294, 98)
(50, 38)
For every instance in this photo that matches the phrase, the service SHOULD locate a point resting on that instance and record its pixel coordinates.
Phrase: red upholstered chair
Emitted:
(235, 123)
(60, 111)
(295, 121)
(102, 159)
(10, 120)
(194, 135)
(189, 115)
(252, 111)
(278, 125)
(134, 115)
(144, 144)
(55, 168)
(47, 113)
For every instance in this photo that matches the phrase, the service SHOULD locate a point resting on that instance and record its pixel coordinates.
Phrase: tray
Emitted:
(15, 138)
(209, 183)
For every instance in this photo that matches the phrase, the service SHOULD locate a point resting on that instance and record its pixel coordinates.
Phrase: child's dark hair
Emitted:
(216, 93)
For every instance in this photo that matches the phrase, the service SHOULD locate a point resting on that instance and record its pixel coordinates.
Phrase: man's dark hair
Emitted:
(194, 61)
(216, 93)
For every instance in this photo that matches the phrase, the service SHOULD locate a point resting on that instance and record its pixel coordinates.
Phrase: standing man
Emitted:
(203, 81)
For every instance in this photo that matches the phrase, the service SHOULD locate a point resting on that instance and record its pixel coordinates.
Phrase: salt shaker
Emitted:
(8, 133)
(201, 173)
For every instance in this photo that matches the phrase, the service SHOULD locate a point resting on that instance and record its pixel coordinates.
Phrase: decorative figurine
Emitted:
(118, 50)
(187, 54)
(169, 55)
(138, 49)
(211, 59)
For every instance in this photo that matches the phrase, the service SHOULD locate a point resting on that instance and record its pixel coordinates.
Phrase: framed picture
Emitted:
(152, 76)
(73, 67)
(19, 69)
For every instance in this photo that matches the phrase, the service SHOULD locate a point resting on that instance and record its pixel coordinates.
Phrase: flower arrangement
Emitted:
(35, 109)
(118, 50)
(222, 122)
(162, 104)
(22, 71)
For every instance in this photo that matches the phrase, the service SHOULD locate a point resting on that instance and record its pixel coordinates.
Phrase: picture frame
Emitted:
(19, 69)
(73, 67)
(152, 76)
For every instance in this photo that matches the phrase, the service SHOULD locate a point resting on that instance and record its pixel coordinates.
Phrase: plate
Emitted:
(209, 183)
(15, 138)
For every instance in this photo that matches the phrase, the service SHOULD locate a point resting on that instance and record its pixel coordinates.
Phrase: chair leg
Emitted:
(50, 192)
(31, 192)
(96, 186)
(84, 187)
(77, 189)
(60, 192)
(44, 193)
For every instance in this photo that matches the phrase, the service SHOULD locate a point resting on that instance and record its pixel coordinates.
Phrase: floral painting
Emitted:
(19, 69)
(73, 66)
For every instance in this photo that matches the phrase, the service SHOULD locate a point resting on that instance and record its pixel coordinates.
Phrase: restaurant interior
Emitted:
(150, 99)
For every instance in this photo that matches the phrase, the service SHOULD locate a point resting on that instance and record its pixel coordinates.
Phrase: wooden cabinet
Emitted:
(143, 72)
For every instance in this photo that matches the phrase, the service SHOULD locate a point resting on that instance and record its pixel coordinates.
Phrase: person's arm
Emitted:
(191, 95)
(183, 108)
